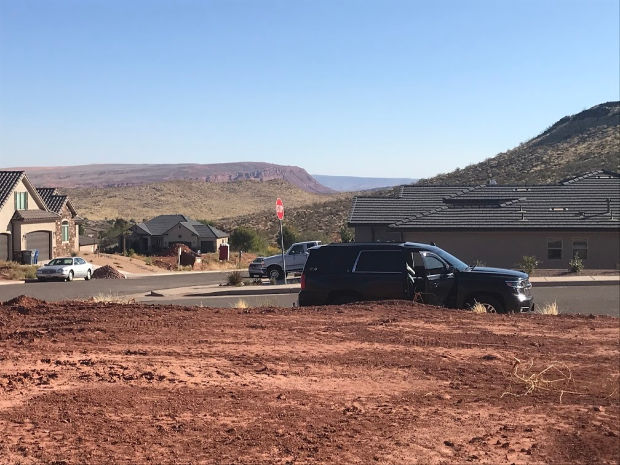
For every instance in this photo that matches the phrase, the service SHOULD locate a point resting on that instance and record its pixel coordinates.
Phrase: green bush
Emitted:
(247, 239)
(528, 264)
(576, 264)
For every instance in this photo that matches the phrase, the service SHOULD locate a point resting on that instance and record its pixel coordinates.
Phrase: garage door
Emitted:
(4, 246)
(39, 240)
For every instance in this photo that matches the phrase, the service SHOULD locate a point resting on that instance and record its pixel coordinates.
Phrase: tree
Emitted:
(290, 236)
(246, 239)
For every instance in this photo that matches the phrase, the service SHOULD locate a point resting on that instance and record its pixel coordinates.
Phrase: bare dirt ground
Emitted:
(375, 383)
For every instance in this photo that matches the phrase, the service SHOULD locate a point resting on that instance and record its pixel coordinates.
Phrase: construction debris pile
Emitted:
(107, 272)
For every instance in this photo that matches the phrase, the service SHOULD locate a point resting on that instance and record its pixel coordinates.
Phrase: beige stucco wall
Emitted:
(21, 229)
(506, 248)
(180, 234)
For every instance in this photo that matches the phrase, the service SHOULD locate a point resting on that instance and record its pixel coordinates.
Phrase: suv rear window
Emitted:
(380, 261)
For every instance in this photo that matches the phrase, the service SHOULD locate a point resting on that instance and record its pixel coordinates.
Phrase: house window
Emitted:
(64, 231)
(554, 249)
(580, 248)
(21, 201)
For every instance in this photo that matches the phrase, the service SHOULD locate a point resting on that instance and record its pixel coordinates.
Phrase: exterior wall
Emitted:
(92, 248)
(506, 248)
(62, 249)
(180, 233)
(21, 229)
(17, 241)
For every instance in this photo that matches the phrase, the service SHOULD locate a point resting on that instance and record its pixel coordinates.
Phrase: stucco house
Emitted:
(164, 230)
(27, 221)
(498, 225)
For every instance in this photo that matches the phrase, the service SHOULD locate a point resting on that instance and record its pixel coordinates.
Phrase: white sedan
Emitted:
(65, 268)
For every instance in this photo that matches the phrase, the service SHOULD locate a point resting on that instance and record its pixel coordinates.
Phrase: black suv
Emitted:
(342, 273)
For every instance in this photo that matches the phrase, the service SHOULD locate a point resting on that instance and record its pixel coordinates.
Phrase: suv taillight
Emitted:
(303, 281)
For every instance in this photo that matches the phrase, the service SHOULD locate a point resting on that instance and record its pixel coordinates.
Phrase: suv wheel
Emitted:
(275, 273)
(491, 304)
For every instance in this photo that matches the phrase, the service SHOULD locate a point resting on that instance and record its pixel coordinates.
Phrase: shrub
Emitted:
(148, 261)
(290, 236)
(576, 264)
(235, 278)
(528, 264)
(246, 239)
(346, 234)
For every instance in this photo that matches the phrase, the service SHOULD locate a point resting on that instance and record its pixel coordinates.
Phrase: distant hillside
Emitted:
(137, 174)
(199, 200)
(320, 221)
(587, 141)
(352, 183)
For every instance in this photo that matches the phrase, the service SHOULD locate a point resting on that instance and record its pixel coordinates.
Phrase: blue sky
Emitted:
(361, 88)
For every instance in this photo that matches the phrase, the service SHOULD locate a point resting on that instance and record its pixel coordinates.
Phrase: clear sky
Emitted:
(343, 87)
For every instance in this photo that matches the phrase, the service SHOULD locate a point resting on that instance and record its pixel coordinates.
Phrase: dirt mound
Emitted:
(173, 250)
(23, 303)
(107, 272)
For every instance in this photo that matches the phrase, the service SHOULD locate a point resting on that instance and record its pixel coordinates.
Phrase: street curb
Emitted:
(574, 283)
(290, 290)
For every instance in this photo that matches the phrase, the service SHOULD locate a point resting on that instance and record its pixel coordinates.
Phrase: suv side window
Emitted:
(296, 250)
(380, 261)
(433, 265)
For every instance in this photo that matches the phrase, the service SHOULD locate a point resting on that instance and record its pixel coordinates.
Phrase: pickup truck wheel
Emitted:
(491, 304)
(275, 272)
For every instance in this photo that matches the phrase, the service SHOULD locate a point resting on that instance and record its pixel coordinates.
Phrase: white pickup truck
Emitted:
(295, 258)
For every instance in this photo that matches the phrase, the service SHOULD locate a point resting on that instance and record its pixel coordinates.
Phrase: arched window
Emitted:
(64, 231)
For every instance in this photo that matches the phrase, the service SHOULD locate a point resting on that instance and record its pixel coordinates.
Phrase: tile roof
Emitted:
(34, 215)
(163, 223)
(8, 180)
(53, 201)
(585, 202)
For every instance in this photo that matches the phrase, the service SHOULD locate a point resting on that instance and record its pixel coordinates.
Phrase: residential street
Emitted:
(598, 300)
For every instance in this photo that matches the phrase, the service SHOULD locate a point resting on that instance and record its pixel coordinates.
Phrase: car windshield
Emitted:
(61, 261)
(451, 259)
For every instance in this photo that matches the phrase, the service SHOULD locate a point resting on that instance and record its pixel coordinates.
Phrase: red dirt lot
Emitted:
(389, 383)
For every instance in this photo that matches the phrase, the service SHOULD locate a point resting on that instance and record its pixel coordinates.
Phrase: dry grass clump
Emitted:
(241, 304)
(478, 308)
(235, 278)
(112, 299)
(548, 309)
(556, 377)
(14, 271)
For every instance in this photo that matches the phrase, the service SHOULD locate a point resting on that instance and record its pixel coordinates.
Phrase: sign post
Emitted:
(280, 213)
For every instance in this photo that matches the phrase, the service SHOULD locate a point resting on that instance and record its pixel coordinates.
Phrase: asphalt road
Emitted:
(598, 300)
(80, 289)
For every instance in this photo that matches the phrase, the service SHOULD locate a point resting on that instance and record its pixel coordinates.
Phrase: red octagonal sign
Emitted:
(280, 209)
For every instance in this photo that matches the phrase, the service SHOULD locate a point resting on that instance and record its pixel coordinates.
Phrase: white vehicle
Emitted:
(295, 259)
(65, 268)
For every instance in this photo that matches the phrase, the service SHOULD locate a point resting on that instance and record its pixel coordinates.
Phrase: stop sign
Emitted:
(280, 209)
